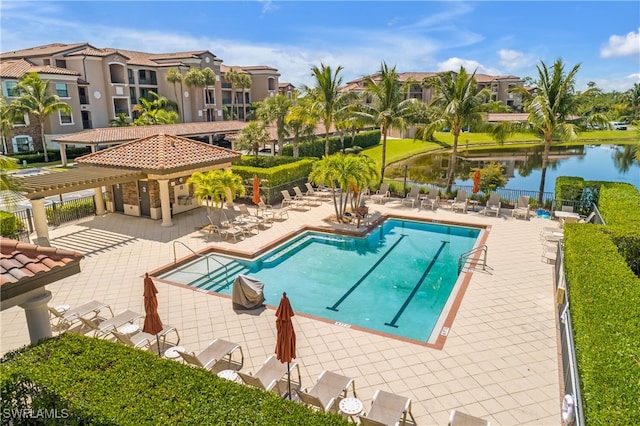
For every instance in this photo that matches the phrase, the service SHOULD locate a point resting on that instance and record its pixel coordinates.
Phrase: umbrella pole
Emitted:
(289, 379)
(158, 342)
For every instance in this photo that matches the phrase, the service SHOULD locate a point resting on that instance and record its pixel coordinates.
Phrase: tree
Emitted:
(633, 95)
(36, 100)
(7, 119)
(388, 106)
(328, 99)
(243, 82)
(232, 77)
(252, 136)
(8, 183)
(121, 120)
(491, 177)
(199, 78)
(300, 121)
(158, 110)
(215, 187)
(275, 110)
(456, 101)
(174, 76)
(550, 107)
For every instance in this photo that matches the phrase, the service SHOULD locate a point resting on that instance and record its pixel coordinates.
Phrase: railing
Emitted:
(60, 212)
(569, 363)
(465, 258)
(207, 257)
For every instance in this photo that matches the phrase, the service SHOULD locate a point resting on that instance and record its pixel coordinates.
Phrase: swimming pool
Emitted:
(396, 280)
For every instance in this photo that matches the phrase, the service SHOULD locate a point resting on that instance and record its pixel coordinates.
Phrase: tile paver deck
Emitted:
(500, 359)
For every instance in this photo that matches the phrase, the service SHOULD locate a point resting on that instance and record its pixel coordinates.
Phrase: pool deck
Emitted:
(499, 361)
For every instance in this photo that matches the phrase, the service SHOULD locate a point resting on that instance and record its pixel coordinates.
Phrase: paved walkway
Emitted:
(500, 360)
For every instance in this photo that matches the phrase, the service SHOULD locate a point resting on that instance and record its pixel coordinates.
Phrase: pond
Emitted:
(522, 167)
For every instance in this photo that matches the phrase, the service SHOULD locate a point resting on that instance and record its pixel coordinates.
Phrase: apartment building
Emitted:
(100, 83)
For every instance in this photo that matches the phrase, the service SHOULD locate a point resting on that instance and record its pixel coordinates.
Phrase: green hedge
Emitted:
(97, 382)
(315, 148)
(57, 214)
(605, 309)
(10, 225)
(38, 157)
(583, 193)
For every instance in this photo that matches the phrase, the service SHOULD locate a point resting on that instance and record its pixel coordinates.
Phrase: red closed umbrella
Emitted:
(286, 337)
(256, 190)
(476, 181)
(152, 323)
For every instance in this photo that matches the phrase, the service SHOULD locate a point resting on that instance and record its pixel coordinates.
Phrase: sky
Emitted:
(492, 37)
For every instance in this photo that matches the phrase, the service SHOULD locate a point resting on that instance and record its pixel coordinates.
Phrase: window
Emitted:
(65, 118)
(272, 84)
(21, 121)
(22, 143)
(61, 90)
(61, 63)
(82, 93)
(11, 89)
(130, 76)
(132, 95)
(46, 61)
(147, 77)
(210, 97)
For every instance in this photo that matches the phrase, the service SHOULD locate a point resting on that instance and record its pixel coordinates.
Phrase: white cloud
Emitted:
(514, 59)
(626, 45)
(619, 84)
(454, 64)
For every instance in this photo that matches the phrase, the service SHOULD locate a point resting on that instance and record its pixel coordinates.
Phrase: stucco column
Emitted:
(40, 221)
(165, 202)
(63, 154)
(99, 201)
(94, 148)
(37, 314)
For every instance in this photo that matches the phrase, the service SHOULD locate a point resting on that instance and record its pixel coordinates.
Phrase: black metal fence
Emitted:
(64, 211)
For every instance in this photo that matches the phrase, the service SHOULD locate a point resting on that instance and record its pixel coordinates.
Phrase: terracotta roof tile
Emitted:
(21, 260)
(18, 68)
(46, 50)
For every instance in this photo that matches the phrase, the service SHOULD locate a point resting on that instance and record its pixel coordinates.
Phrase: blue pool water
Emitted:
(396, 280)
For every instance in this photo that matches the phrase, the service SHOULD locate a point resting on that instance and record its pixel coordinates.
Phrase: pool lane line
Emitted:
(417, 286)
(375, 265)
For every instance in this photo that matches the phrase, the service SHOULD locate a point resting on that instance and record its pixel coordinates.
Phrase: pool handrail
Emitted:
(207, 257)
(464, 257)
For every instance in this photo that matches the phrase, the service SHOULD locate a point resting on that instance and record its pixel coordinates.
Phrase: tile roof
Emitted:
(18, 68)
(46, 50)
(20, 260)
(160, 152)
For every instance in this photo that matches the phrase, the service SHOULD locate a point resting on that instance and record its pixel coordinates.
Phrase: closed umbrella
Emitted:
(256, 191)
(152, 323)
(476, 181)
(286, 337)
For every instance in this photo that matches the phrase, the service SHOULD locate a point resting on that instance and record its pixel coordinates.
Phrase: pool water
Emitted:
(396, 280)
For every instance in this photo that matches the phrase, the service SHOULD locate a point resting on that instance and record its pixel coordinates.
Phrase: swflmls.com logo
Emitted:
(14, 414)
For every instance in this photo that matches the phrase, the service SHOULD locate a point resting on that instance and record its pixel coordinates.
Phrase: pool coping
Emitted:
(438, 336)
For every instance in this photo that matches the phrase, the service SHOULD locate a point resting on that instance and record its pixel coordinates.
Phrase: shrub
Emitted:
(10, 225)
(315, 148)
(59, 213)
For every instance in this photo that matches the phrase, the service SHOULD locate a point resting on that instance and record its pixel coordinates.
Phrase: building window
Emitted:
(82, 94)
(116, 72)
(147, 77)
(120, 106)
(130, 76)
(61, 90)
(132, 95)
(22, 143)
(21, 121)
(146, 93)
(11, 89)
(210, 97)
(65, 118)
(61, 63)
(46, 61)
(272, 84)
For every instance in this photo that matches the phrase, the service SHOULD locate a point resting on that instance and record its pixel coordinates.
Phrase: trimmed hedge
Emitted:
(278, 175)
(38, 157)
(582, 192)
(60, 213)
(605, 306)
(315, 148)
(97, 382)
(10, 225)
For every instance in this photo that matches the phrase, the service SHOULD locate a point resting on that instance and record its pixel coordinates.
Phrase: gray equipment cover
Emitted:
(247, 293)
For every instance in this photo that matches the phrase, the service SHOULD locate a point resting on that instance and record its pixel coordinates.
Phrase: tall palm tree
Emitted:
(388, 106)
(7, 119)
(174, 76)
(215, 187)
(275, 110)
(199, 78)
(232, 77)
(633, 95)
(328, 99)
(243, 82)
(36, 100)
(300, 121)
(252, 136)
(158, 110)
(456, 100)
(550, 107)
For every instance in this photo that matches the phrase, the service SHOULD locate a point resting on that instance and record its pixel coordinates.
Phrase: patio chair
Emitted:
(493, 204)
(225, 230)
(412, 197)
(382, 194)
(317, 193)
(145, 340)
(522, 208)
(311, 199)
(325, 394)
(457, 418)
(461, 202)
(293, 203)
(104, 327)
(587, 219)
(213, 354)
(269, 375)
(245, 213)
(270, 213)
(431, 200)
(387, 409)
(72, 315)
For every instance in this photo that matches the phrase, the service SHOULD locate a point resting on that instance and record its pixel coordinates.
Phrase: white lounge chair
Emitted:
(461, 202)
(269, 375)
(288, 201)
(270, 213)
(311, 199)
(325, 394)
(457, 418)
(146, 340)
(522, 208)
(431, 200)
(104, 327)
(493, 204)
(382, 194)
(387, 409)
(412, 197)
(213, 354)
(67, 318)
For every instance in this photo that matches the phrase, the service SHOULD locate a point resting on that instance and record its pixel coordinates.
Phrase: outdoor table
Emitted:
(129, 329)
(351, 407)
(172, 353)
(230, 375)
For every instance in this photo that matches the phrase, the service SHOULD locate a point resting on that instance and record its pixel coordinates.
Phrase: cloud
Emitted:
(618, 84)
(454, 64)
(622, 45)
(514, 59)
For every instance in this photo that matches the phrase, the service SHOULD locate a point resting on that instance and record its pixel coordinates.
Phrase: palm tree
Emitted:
(215, 187)
(328, 99)
(300, 121)
(252, 136)
(7, 119)
(633, 95)
(199, 78)
(232, 77)
(388, 107)
(550, 108)
(344, 172)
(121, 120)
(36, 100)
(275, 110)
(174, 76)
(244, 82)
(158, 110)
(456, 101)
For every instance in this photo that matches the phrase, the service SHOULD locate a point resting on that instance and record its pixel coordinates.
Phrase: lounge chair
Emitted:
(214, 353)
(317, 193)
(493, 204)
(288, 201)
(387, 409)
(270, 213)
(522, 208)
(146, 340)
(311, 199)
(457, 418)
(74, 314)
(226, 229)
(269, 374)
(246, 214)
(431, 200)
(587, 219)
(412, 197)
(325, 394)
(549, 253)
(104, 327)
(381, 194)
(461, 202)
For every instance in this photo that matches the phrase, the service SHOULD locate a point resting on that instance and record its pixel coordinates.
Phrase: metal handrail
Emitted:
(207, 257)
(482, 262)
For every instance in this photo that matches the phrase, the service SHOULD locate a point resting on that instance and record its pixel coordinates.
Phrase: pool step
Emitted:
(216, 280)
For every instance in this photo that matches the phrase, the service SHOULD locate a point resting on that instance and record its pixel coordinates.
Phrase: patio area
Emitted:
(499, 362)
